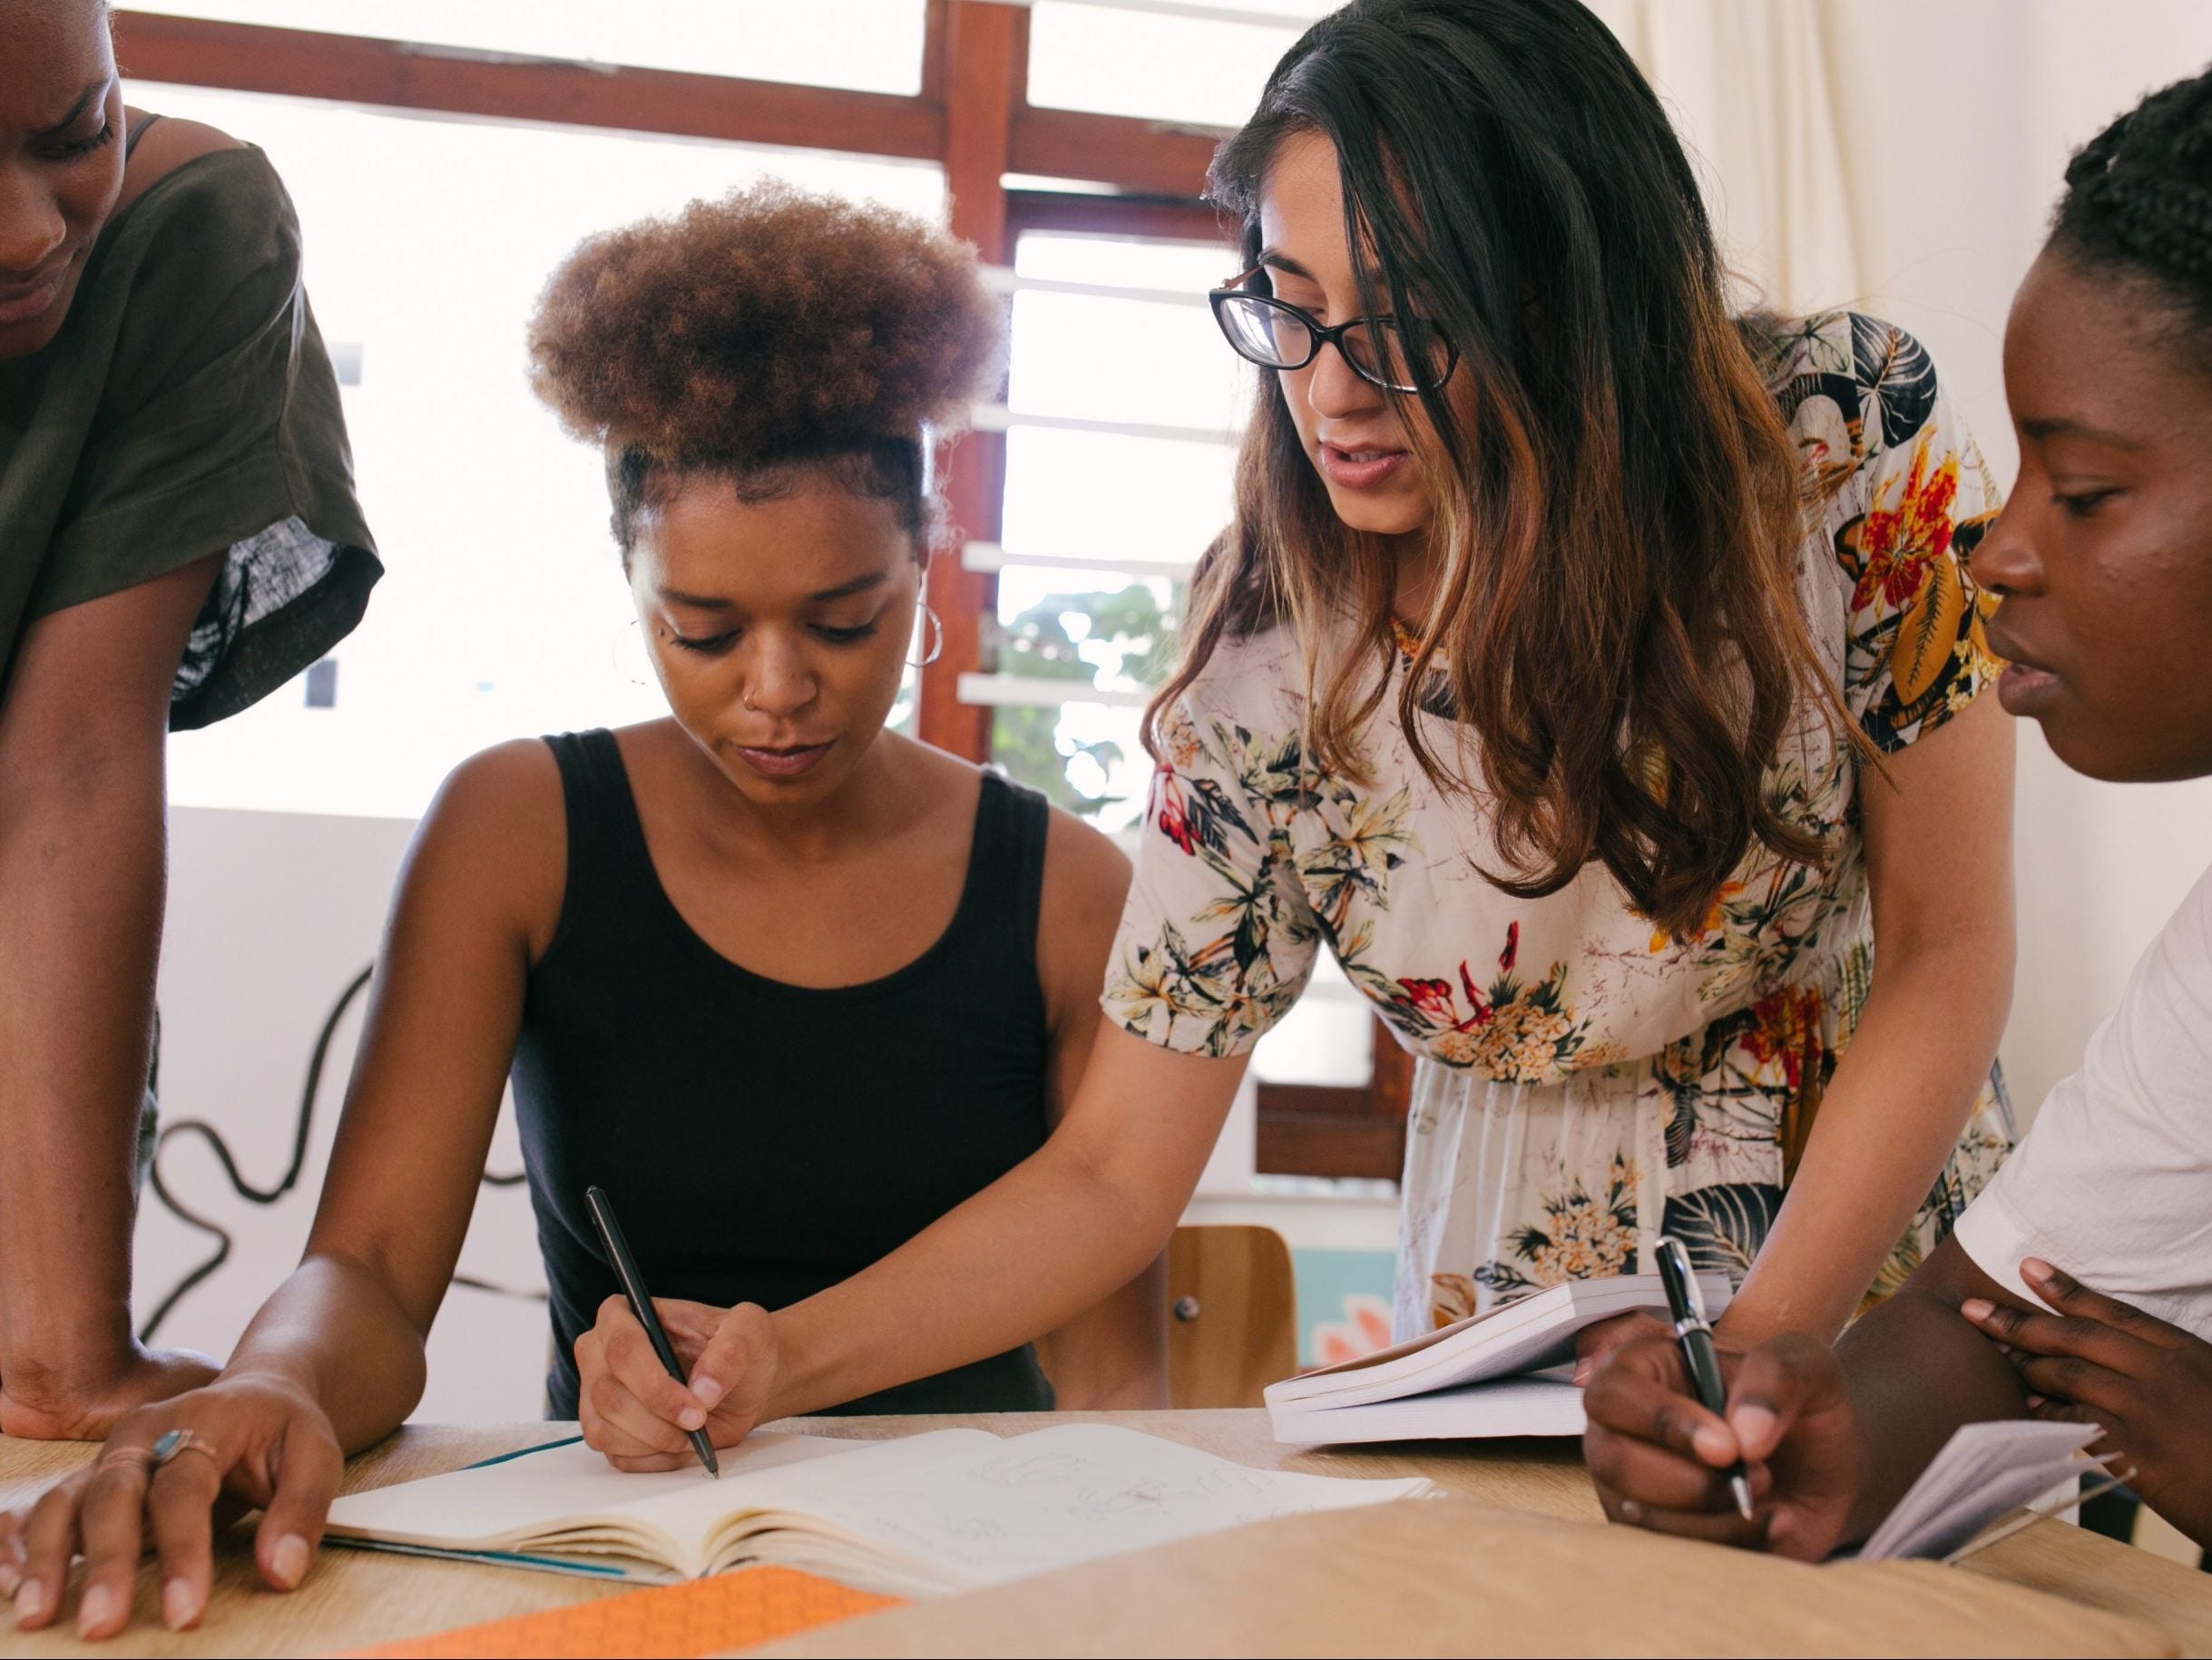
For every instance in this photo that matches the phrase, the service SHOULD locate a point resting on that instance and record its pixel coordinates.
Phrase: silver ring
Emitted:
(175, 1443)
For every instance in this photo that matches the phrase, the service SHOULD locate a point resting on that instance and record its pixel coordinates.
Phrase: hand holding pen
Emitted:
(648, 1407)
(1701, 1361)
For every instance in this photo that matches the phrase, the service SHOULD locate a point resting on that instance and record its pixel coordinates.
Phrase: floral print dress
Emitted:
(1586, 1082)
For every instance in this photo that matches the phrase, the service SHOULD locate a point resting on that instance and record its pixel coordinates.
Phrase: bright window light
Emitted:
(1206, 70)
(503, 613)
(871, 45)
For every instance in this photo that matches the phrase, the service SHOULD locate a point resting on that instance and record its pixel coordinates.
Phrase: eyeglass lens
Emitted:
(1274, 337)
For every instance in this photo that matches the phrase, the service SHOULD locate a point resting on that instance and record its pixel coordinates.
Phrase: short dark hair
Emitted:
(762, 335)
(2139, 201)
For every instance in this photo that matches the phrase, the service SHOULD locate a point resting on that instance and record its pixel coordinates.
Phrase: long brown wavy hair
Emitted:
(1617, 511)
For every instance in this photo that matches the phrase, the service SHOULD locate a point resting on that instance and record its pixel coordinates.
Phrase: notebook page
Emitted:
(1948, 1528)
(695, 1513)
(533, 1496)
(1054, 1497)
(1970, 1481)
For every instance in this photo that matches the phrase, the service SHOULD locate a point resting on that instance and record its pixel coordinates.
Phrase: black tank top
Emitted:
(762, 1141)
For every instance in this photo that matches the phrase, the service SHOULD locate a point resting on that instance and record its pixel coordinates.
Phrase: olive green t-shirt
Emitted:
(188, 407)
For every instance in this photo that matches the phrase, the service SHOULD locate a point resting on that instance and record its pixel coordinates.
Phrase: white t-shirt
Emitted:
(2114, 1183)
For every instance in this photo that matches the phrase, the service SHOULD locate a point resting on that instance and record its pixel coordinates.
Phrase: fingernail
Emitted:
(177, 1609)
(708, 1391)
(94, 1608)
(1711, 1443)
(30, 1601)
(289, 1561)
(1977, 1308)
(1754, 1425)
(691, 1418)
(11, 1577)
(1778, 1525)
(1583, 1369)
(2036, 1268)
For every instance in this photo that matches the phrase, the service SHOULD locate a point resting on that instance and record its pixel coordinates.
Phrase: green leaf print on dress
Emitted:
(1723, 1226)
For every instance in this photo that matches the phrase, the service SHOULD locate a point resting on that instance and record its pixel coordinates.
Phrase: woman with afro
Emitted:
(790, 987)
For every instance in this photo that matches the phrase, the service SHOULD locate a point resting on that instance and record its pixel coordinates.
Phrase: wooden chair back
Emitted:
(1232, 1315)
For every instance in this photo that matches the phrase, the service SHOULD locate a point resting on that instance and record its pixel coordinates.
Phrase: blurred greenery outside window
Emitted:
(1046, 641)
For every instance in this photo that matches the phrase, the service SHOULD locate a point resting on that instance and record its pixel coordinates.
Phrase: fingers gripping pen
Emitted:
(1699, 1359)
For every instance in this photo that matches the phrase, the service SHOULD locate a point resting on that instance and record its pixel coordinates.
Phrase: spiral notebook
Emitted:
(913, 1516)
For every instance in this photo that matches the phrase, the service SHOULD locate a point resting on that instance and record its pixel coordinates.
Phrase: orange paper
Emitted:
(675, 1622)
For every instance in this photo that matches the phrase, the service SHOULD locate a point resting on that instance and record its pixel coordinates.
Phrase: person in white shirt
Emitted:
(2079, 1286)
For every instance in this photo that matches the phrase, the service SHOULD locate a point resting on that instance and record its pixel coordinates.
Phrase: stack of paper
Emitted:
(1503, 1373)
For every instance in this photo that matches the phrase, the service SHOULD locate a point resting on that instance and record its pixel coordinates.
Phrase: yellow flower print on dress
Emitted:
(1512, 1032)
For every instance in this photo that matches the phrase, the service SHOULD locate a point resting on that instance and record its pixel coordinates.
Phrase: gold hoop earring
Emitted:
(936, 647)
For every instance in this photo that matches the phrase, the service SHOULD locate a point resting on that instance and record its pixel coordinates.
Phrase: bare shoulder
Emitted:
(169, 144)
(1085, 871)
(1086, 881)
(495, 838)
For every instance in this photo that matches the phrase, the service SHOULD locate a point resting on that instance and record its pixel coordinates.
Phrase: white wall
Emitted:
(270, 914)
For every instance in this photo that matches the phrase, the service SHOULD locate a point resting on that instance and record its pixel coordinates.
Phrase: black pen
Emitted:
(1687, 1303)
(642, 1306)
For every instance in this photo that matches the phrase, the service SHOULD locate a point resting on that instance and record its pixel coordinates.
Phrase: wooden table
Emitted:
(1410, 1578)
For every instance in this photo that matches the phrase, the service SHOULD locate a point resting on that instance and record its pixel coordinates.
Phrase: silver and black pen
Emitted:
(1699, 1359)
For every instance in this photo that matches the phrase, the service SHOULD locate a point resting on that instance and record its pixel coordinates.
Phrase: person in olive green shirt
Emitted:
(178, 537)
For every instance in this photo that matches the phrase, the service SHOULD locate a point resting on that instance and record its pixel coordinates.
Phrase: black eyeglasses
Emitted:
(1387, 352)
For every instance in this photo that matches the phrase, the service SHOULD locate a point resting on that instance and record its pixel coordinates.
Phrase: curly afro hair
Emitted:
(2139, 199)
(755, 334)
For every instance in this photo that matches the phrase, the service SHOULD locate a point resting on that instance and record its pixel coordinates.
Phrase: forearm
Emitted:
(336, 1331)
(1916, 1371)
(1113, 1357)
(1050, 1240)
(81, 896)
(1891, 1116)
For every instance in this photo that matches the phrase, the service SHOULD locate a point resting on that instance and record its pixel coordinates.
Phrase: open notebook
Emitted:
(1984, 1473)
(1502, 1372)
(913, 1516)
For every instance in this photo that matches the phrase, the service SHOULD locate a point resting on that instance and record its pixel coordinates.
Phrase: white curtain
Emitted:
(1748, 85)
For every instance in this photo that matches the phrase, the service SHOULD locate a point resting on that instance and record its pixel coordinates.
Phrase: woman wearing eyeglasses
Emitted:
(1595, 675)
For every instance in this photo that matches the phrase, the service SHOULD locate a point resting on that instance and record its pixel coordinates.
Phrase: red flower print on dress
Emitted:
(1892, 546)
(1200, 819)
(1174, 823)
(1432, 997)
(1784, 1028)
